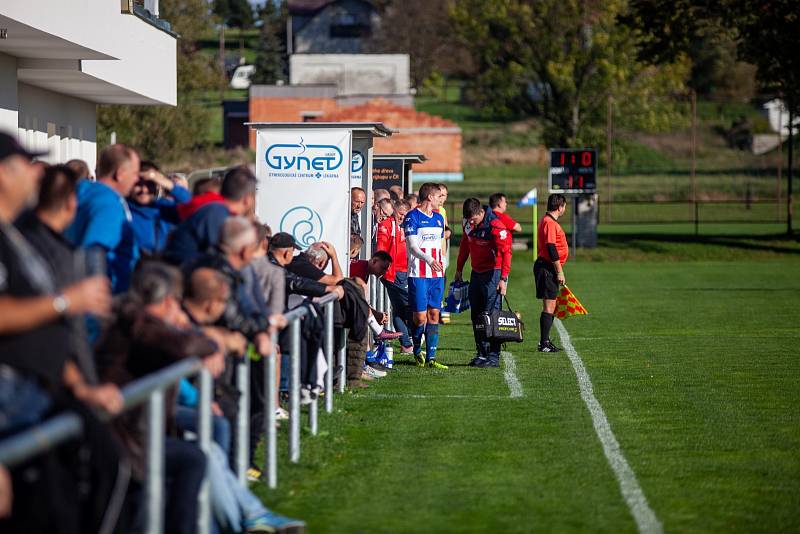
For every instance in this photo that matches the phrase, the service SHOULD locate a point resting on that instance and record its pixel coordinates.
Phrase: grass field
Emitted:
(695, 363)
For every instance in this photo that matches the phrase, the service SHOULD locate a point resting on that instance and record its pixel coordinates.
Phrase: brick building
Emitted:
(417, 132)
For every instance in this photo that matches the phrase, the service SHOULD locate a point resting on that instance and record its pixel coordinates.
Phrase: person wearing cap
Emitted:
(35, 352)
(103, 221)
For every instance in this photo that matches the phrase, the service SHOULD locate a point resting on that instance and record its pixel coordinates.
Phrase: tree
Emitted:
(765, 33)
(159, 132)
(234, 13)
(560, 60)
(270, 62)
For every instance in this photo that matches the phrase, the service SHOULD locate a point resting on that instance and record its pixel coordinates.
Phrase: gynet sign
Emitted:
(304, 185)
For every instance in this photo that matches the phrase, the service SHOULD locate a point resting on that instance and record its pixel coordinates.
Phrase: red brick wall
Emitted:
(285, 110)
(443, 150)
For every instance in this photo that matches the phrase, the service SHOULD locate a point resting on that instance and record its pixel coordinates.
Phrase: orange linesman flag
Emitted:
(567, 304)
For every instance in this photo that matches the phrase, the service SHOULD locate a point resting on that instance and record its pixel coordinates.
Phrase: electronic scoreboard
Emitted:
(573, 170)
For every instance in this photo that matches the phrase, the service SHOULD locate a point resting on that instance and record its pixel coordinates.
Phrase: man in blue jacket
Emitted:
(103, 220)
(200, 233)
(155, 216)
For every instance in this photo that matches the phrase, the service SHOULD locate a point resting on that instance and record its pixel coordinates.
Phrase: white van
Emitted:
(241, 76)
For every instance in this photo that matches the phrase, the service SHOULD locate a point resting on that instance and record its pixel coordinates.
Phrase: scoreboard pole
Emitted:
(574, 226)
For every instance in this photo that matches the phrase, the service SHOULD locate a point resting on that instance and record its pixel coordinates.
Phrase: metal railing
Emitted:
(150, 390)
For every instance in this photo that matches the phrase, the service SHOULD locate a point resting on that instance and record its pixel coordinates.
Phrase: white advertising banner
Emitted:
(304, 185)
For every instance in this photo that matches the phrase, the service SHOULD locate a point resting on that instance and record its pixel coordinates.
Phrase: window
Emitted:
(346, 25)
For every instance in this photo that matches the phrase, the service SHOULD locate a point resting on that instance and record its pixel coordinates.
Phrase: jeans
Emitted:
(231, 502)
(484, 298)
(398, 296)
(186, 418)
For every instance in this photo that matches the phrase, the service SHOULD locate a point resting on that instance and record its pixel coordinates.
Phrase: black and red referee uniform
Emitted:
(552, 246)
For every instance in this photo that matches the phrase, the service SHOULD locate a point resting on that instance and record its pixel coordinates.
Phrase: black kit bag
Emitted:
(503, 325)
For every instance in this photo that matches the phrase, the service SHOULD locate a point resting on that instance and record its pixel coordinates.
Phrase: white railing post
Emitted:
(270, 406)
(343, 362)
(294, 392)
(204, 425)
(243, 419)
(329, 357)
(154, 483)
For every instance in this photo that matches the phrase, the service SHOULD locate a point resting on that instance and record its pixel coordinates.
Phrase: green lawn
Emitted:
(694, 361)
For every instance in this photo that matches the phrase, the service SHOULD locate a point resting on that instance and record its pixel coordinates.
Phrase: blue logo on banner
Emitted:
(302, 157)
(357, 163)
(304, 224)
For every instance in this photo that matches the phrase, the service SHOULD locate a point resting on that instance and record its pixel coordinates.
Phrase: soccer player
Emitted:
(424, 229)
(445, 315)
(487, 243)
(548, 269)
(499, 204)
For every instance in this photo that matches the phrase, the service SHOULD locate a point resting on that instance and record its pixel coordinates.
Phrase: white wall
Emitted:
(8, 94)
(353, 74)
(62, 125)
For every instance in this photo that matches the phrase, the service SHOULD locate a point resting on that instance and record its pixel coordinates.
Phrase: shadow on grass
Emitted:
(652, 243)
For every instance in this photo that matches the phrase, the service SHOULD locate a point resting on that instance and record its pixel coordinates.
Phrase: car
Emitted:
(241, 76)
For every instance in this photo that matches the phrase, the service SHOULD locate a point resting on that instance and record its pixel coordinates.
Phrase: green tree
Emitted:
(234, 13)
(560, 60)
(160, 132)
(270, 62)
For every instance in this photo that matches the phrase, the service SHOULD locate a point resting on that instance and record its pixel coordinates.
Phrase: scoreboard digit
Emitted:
(573, 170)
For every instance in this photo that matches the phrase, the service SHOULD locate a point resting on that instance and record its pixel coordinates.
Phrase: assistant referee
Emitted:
(548, 269)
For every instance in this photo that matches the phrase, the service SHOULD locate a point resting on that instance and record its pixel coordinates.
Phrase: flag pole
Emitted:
(534, 225)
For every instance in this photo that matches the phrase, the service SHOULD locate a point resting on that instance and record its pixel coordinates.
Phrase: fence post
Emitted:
(343, 362)
(270, 391)
(204, 440)
(294, 392)
(243, 419)
(331, 360)
(696, 218)
(154, 484)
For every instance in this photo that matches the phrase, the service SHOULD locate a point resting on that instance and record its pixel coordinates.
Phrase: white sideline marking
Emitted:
(510, 374)
(424, 396)
(645, 518)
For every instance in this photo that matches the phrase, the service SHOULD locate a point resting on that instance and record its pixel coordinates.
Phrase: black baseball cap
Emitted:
(283, 240)
(11, 147)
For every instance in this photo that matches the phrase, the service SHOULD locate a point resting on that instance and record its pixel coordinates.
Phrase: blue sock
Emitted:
(416, 335)
(431, 340)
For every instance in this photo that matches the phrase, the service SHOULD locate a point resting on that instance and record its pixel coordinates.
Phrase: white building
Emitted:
(60, 58)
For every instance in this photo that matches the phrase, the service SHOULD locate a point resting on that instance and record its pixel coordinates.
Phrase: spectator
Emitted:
(356, 244)
(499, 204)
(396, 193)
(103, 219)
(358, 197)
(149, 334)
(378, 195)
(178, 178)
(207, 185)
(413, 200)
(154, 215)
(392, 239)
(200, 231)
(444, 316)
(81, 169)
(270, 277)
(312, 263)
(34, 356)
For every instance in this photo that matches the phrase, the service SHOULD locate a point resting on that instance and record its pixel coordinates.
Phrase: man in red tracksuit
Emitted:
(487, 241)
(392, 240)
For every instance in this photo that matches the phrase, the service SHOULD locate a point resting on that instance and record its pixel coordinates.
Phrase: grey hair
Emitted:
(153, 281)
(317, 254)
(237, 233)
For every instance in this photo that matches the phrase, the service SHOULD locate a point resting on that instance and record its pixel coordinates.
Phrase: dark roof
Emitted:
(307, 7)
(310, 7)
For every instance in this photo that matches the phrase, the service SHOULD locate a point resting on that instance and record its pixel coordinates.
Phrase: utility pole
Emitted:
(223, 78)
(694, 146)
(780, 164)
(789, 207)
(609, 142)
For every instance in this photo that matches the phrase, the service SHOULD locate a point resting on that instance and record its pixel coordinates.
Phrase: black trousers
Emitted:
(484, 298)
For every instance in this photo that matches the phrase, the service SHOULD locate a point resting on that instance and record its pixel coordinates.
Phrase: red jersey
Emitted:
(507, 221)
(488, 245)
(552, 240)
(359, 269)
(392, 240)
(186, 210)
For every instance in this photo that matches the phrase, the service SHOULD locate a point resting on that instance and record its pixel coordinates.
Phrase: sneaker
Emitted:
(547, 346)
(380, 367)
(272, 522)
(476, 361)
(420, 358)
(433, 364)
(253, 474)
(306, 397)
(444, 317)
(374, 373)
(488, 362)
(386, 335)
(281, 414)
